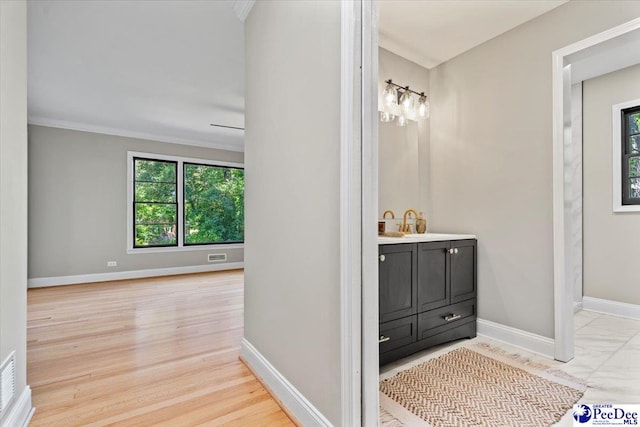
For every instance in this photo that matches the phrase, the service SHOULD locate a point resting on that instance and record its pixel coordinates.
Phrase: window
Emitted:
(625, 125)
(213, 204)
(631, 156)
(178, 203)
(155, 203)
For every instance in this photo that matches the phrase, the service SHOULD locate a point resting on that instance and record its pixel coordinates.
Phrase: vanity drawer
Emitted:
(398, 333)
(434, 321)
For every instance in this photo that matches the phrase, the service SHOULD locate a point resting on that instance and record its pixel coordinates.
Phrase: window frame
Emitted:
(134, 201)
(180, 161)
(626, 156)
(619, 140)
(184, 203)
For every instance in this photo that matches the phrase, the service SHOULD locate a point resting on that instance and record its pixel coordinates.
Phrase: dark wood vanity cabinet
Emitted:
(427, 295)
(398, 281)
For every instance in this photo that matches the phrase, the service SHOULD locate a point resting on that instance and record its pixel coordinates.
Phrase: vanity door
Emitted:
(463, 270)
(433, 275)
(397, 281)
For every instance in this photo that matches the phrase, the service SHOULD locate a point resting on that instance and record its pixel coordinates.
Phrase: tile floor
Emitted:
(607, 357)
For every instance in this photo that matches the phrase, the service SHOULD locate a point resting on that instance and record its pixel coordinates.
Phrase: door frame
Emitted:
(351, 214)
(562, 276)
(369, 123)
(358, 214)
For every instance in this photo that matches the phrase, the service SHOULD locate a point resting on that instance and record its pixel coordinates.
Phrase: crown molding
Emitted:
(242, 8)
(62, 124)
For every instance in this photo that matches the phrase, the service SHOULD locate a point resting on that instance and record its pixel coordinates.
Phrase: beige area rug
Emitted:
(477, 386)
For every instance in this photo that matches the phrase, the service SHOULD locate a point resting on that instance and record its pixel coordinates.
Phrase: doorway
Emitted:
(574, 63)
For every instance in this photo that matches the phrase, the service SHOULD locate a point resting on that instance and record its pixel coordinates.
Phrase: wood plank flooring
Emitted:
(150, 352)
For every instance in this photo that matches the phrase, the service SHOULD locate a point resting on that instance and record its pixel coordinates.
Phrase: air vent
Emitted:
(216, 257)
(8, 380)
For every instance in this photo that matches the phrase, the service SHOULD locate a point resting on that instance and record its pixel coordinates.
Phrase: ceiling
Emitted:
(166, 70)
(162, 70)
(434, 31)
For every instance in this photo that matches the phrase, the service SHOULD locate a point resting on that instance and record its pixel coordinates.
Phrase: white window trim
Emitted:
(180, 160)
(616, 144)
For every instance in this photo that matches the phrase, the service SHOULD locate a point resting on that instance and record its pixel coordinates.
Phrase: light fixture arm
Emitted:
(404, 88)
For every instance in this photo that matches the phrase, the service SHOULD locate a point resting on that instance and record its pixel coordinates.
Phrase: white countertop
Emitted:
(427, 237)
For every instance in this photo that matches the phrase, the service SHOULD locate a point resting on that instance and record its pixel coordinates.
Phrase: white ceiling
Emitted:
(161, 70)
(166, 70)
(434, 31)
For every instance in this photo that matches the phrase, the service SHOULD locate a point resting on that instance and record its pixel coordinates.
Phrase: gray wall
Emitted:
(611, 240)
(292, 158)
(491, 148)
(78, 203)
(403, 166)
(13, 187)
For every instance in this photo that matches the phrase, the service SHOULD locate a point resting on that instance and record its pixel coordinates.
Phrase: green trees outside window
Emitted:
(211, 203)
(155, 203)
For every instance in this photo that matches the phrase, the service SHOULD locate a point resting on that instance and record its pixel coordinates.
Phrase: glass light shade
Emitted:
(386, 117)
(402, 121)
(423, 107)
(406, 101)
(390, 95)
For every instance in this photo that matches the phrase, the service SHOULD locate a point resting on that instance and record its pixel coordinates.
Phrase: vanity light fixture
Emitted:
(398, 103)
(390, 95)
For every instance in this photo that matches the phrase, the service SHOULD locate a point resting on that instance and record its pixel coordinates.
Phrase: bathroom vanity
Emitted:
(427, 292)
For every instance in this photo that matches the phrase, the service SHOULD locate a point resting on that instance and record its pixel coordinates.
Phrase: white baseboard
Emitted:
(517, 337)
(615, 308)
(41, 282)
(577, 306)
(22, 411)
(284, 391)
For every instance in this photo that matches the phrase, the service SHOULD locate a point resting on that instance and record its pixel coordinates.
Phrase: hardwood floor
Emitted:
(150, 352)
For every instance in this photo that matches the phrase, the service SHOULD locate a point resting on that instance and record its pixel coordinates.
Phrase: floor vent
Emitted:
(8, 380)
(216, 257)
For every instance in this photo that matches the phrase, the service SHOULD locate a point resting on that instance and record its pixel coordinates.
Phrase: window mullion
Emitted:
(180, 200)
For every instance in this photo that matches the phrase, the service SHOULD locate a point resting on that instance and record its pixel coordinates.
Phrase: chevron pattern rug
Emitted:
(468, 387)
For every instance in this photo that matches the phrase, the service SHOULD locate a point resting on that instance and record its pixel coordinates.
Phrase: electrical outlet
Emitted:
(111, 263)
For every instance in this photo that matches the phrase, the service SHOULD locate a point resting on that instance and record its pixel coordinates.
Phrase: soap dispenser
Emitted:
(421, 224)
